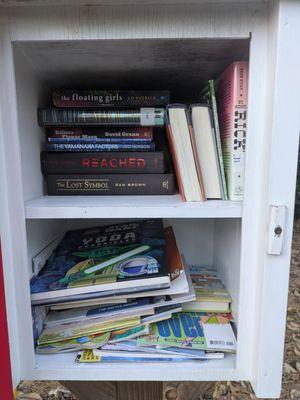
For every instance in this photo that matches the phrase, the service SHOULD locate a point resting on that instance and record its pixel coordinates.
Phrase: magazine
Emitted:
(192, 330)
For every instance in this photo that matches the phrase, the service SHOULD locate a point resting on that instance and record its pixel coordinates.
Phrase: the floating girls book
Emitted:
(105, 258)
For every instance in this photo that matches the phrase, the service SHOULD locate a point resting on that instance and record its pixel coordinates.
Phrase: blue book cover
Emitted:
(100, 146)
(105, 258)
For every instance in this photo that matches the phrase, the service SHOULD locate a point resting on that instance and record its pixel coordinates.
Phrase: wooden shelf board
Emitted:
(52, 207)
(63, 367)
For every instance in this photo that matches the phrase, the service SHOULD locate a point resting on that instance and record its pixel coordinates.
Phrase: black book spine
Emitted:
(110, 98)
(98, 117)
(121, 184)
(103, 162)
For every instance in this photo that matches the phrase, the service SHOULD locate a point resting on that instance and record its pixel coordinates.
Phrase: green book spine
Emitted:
(210, 94)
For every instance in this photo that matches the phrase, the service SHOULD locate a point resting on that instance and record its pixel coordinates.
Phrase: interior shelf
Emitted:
(128, 207)
(59, 366)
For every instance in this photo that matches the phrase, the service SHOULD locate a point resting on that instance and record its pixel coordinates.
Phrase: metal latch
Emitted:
(276, 229)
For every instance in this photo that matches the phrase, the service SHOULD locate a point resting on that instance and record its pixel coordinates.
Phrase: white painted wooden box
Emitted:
(177, 44)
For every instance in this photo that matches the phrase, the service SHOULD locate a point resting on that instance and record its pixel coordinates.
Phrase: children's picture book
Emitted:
(95, 355)
(128, 333)
(83, 342)
(192, 330)
(61, 332)
(211, 294)
(140, 306)
(105, 258)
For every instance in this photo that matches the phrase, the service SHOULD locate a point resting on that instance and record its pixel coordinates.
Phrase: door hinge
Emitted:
(276, 229)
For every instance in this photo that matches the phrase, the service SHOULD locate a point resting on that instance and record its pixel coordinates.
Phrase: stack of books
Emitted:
(121, 293)
(106, 142)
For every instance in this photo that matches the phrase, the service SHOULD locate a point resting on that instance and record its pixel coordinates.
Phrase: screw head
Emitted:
(171, 394)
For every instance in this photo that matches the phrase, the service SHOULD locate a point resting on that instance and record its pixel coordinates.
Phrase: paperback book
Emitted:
(211, 294)
(105, 258)
(58, 333)
(193, 330)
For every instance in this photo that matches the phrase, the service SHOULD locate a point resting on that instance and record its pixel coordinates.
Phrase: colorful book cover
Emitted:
(83, 342)
(147, 146)
(208, 95)
(61, 332)
(134, 307)
(94, 355)
(110, 98)
(148, 116)
(128, 333)
(104, 258)
(232, 94)
(207, 285)
(188, 329)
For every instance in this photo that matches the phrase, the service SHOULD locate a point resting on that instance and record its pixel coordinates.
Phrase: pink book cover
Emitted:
(232, 94)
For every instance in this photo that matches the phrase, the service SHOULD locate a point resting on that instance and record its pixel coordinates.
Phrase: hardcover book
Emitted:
(232, 93)
(87, 147)
(147, 116)
(138, 132)
(208, 95)
(110, 98)
(85, 140)
(105, 258)
(105, 163)
(114, 184)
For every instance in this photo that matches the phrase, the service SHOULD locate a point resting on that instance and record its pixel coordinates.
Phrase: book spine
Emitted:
(100, 146)
(147, 116)
(232, 105)
(110, 98)
(239, 127)
(72, 139)
(130, 184)
(104, 163)
(140, 132)
(218, 137)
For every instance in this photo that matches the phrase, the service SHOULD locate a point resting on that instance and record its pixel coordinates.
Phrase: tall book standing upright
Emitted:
(208, 95)
(206, 150)
(232, 93)
(181, 140)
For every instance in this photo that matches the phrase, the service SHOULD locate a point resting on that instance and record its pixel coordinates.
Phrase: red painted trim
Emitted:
(6, 389)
